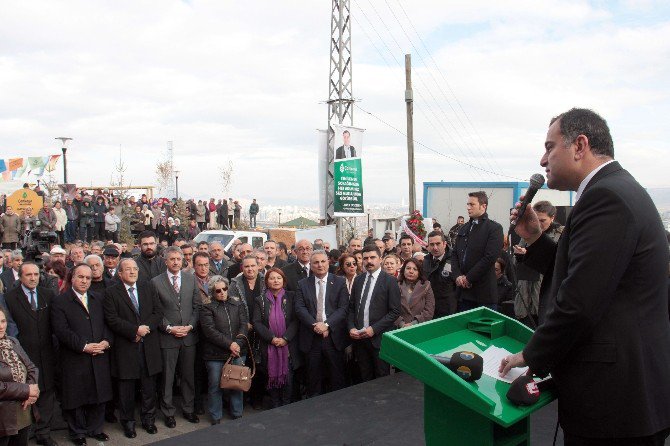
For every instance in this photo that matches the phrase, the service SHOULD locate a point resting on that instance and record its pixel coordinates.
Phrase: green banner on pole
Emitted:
(348, 196)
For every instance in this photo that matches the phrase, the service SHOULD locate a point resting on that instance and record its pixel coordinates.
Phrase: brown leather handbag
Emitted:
(238, 377)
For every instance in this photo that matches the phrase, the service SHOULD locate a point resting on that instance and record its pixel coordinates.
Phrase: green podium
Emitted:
(457, 412)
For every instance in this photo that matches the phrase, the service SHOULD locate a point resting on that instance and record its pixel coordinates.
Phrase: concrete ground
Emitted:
(116, 437)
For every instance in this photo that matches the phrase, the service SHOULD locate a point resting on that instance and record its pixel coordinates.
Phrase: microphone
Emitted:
(467, 365)
(536, 182)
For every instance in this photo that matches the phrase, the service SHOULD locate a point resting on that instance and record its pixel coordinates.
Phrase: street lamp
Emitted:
(279, 224)
(64, 141)
(176, 183)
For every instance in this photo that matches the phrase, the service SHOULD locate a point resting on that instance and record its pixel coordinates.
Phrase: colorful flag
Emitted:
(36, 165)
(6, 175)
(3, 166)
(51, 165)
(14, 163)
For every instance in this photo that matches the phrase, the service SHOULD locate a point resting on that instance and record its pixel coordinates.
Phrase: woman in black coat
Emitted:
(277, 337)
(221, 322)
(18, 388)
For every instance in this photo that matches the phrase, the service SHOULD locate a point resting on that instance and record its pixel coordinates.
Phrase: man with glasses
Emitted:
(218, 264)
(132, 313)
(299, 269)
(149, 262)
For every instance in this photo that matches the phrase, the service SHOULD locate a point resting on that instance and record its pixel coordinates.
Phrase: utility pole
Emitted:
(409, 100)
(340, 93)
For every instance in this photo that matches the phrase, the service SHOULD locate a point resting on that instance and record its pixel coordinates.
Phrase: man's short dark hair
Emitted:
(436, 225)
(202, 242)
(460, 216)
(334, 254)
(347, 132)
(437, 234)
(146, 234)
(405, 236)
(582, 121)
(372, 241)
(480, 196)
(545, 207)
(371, 248)
(200, 254)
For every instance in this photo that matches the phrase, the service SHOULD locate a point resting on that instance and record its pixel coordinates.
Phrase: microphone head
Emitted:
(467, 365)
(536, 181)
(523, 391)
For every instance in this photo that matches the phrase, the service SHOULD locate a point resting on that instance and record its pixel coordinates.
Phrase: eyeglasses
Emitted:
(220, 290)
(350, 263)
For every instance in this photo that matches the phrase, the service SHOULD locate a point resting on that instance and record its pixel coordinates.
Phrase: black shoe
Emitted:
(101, 436)
(46, 441)
(79, 441)
(170, 422)
(150, 428)
(215, 422)
(191, 417)
(129, 431)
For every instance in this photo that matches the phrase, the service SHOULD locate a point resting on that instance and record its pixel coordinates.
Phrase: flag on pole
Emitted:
(36, 165)
(51, 165)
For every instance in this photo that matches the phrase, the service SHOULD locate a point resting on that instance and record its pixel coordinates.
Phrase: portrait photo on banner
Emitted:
(348, 142)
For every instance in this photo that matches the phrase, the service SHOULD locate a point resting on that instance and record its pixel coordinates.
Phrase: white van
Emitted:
(255, 239)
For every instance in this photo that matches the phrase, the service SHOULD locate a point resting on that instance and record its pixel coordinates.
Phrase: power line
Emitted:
(476, 147)
(427, 104)
(437, 152)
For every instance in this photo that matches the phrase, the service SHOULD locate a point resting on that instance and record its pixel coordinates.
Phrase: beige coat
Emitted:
(422, 304)
(10, 225)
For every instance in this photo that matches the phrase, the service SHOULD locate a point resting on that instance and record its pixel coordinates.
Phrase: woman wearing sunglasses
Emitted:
(221, 321)
(348, 267)
(276, 325)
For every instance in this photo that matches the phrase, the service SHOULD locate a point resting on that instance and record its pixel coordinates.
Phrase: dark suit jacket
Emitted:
(294, 273)
(86, 379)
(606, 335)
(114, 280)
(337, 308)
(149, 268)
(123, 321)
(441, 282)
(178, 309)
(223, 271)
(384, 306)
(482, 245)
(261, 323)
(339, 153)
(8, 280)
(34, 330)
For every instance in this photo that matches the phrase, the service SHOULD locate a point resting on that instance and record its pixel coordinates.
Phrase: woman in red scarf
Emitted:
(277, 327)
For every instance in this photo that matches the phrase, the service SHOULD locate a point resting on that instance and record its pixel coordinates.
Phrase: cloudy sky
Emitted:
(246, 81)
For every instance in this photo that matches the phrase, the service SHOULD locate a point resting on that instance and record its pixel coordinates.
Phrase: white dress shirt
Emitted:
(316, 290)
(366, 309)
(171, 277)
(588, 178)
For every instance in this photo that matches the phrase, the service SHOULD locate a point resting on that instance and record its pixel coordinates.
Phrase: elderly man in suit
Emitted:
(321, 305)
(299, 269)
(28, 304)
(78, 321)
(10, 275)
(218, 263)
(179, 299)
(374, 308)
(133, 313)
(605, 337)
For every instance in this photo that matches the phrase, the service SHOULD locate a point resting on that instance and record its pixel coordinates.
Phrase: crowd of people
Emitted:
(101, 319)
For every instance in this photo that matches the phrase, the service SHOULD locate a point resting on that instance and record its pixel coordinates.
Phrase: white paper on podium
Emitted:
(492, 358)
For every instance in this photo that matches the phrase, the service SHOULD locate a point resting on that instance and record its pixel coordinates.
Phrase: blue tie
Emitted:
(33, 300)
(133, 298)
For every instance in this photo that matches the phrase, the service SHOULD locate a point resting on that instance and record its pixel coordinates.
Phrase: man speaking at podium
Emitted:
(606, 337)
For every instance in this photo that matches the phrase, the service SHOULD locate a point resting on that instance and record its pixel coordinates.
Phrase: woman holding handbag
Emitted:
(276, 326)
(18, 389)
(221, 322)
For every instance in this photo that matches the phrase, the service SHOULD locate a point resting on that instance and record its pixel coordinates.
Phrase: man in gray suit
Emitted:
(179, 298)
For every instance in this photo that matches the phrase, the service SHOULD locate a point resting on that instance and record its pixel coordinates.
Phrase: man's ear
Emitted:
(582, 147)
